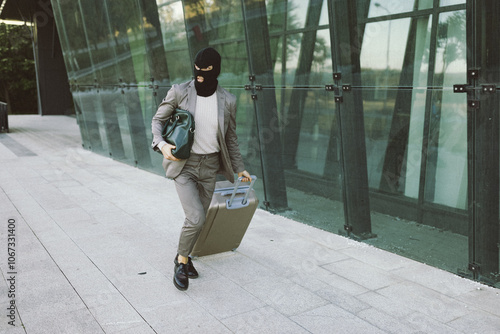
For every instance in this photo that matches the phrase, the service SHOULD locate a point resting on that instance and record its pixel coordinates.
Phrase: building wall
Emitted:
(54, 97)
(346, 109)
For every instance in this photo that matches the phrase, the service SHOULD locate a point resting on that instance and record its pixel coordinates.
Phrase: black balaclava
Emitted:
(204, 58)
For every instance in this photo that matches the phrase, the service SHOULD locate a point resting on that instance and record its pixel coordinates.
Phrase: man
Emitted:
(215, 150)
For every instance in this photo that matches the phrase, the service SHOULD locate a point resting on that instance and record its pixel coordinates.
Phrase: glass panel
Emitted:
(298, 11)
(82, 121)
(63, 39)
(315, 130)
(234, 63)
(387, 7)
(381, 64)
(382, 55)
(100, 41)
(88, 102)
(138, 101)
(410, 179)
(277, 58)
(114, 109)
(398, 147)
(77, 52)
(246, 124)
(425, 4)
(131, 55)
(171, 15)
(321, 68)
(451, 2)
(446, 179)
(314, 190)
(137, 43)
(276, 11)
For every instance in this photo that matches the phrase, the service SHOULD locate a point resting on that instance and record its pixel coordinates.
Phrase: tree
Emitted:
(17, 70)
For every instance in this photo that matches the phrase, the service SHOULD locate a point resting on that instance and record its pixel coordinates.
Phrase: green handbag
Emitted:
(179, 131)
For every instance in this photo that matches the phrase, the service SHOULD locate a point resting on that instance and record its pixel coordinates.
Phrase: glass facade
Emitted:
(358, 117)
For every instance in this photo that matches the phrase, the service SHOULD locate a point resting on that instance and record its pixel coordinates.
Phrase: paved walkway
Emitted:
(95, 241)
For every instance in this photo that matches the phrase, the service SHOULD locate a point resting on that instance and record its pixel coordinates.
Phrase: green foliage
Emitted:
(17, 69)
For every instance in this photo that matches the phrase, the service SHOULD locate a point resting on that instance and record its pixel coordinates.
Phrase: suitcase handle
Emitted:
(244, 202)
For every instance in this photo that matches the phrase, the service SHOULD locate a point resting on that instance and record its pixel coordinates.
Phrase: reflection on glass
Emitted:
(387, 7)
(298, 11)
(101, 41)
(315, 131)
(63, 38)
(384, 47)
(276, 15)
(77, 45)
(383, 51)
(451, 2)
(425, 4)
(446, 180)
(413, 158)
(175, 44)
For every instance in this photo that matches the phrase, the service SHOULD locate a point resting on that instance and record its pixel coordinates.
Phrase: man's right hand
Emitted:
(167, 152)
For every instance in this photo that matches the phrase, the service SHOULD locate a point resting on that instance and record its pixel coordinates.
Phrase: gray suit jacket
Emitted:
(183, 96)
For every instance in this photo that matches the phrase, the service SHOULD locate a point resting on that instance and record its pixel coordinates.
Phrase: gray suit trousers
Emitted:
(195, 187)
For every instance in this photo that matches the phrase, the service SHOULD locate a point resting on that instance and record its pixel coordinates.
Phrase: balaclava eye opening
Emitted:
(205, 58)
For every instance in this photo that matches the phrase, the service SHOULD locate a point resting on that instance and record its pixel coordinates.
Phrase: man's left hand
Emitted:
(246, 176)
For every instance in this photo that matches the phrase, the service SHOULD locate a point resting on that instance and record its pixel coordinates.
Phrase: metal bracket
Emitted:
(460, 88)
(337, 76)
(489, 88)
(339, 99)
(248, 87)
(348, 228)
(254, 96)
(258, 87)
(346, 88)
(329, 88)
(473, 73)
(474, 104)
(251, 78)
(474, 267)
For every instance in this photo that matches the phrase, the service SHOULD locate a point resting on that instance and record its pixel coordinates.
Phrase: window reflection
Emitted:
(451, 2)
(446, 180)
(384, 47)
(175, 43)
(413, 157)
(387, 7)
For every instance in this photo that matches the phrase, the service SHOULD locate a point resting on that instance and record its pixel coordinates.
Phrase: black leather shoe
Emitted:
(191, 271)
(181, 280)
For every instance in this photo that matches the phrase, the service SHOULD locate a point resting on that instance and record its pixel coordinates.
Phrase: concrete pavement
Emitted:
(92, 247)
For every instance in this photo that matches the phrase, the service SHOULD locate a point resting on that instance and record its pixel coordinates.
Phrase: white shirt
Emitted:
(206, 124)
(206, 121)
